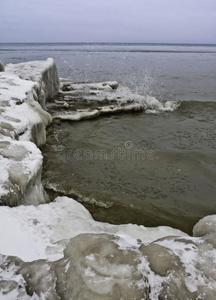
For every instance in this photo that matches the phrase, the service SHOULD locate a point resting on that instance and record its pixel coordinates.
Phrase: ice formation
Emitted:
(78, 101)
(56, 250)
(24, 89)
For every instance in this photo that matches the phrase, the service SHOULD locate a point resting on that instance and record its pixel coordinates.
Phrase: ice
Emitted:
(43, 73)
(107, 86)
(57, 250)
(20, 98)
(113, 274)
(205, 226)
(24, 89)
(21, 171)
(45, 225)
(65, 254)
(81, 101)
(79, 115)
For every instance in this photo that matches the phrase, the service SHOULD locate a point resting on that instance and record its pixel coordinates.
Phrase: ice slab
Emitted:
(78, 101)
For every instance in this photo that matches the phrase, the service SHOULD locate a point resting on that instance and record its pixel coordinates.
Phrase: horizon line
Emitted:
(119, 43)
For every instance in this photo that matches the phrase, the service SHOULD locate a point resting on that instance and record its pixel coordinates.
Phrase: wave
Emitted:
(110, 47)
(197, 106)
(111, 51)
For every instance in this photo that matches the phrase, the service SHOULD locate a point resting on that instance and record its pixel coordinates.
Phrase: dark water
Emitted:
(150, 169)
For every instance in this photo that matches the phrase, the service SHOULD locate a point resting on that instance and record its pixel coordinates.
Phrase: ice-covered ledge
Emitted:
(24, 89)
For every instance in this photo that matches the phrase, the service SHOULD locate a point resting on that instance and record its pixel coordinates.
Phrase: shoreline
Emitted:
(59, 241)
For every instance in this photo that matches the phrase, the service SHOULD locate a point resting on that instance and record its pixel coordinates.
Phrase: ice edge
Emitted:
(24, 89)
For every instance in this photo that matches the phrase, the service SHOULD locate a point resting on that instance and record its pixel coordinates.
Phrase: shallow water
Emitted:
(153, 169)
(150, 169)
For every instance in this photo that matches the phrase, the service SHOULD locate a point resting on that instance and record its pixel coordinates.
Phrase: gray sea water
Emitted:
(150, 169)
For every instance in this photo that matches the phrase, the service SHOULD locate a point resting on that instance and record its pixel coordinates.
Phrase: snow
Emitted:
(23, 89)
(40, 228)
(43, 73)
(100, 259)
(23, 158)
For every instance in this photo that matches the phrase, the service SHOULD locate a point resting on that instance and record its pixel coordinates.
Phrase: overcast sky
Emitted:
(176, 21)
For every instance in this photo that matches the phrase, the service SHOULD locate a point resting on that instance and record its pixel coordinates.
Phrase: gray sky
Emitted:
(176, 21)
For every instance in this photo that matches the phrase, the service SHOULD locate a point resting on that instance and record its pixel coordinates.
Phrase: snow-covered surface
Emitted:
(23, 88)
(56, 250)
(43, 73)
(60, 242)
(89, 100)
(34, 232)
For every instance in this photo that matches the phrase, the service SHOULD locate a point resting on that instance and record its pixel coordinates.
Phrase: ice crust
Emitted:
(24, 89)
(57, 251)
(81, 101)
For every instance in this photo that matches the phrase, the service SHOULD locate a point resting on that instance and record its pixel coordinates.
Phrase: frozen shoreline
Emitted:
(24, 89)
(56, 250)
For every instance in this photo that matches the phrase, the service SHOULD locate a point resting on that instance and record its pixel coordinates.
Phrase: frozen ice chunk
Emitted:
(205, 226)
(102, 271)
(20, 176)
(44, 73)
(161, 260)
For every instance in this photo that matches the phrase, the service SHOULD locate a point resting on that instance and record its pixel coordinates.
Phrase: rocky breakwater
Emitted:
(24, 89)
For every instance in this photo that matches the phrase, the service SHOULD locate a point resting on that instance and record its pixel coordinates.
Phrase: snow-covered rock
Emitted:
(24, 89)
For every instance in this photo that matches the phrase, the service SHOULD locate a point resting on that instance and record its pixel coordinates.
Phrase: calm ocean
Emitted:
(161, 167)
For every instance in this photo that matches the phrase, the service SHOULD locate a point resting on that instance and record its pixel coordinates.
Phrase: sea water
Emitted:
(144, 168)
